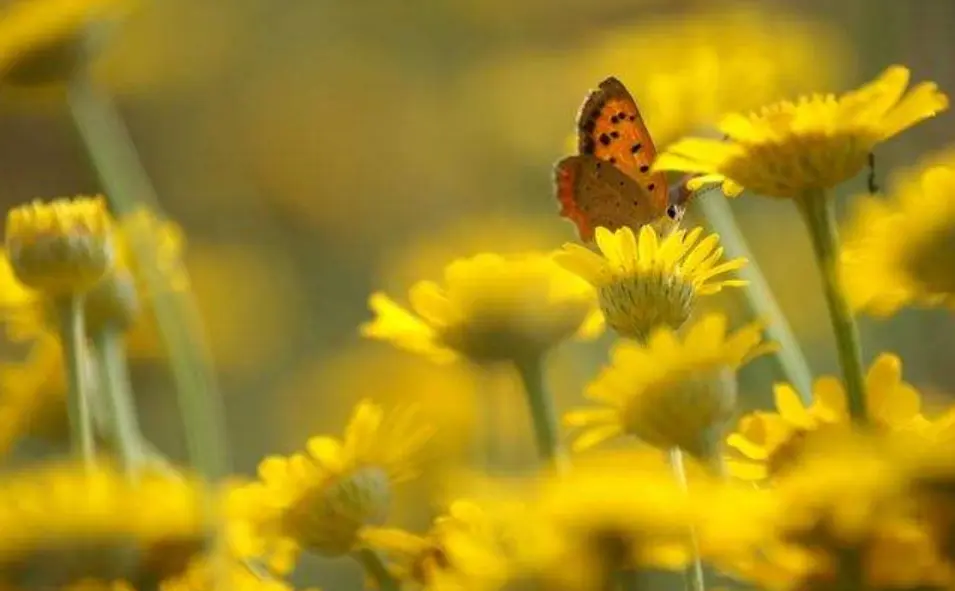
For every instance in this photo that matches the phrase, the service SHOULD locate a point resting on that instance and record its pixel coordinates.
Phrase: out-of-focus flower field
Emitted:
(286, 301)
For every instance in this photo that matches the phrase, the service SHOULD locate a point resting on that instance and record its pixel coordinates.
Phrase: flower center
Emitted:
(688, 410)
(635, 305)
(327, 519)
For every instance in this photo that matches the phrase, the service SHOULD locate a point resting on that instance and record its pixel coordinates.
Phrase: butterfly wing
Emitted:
(610, 127)
(594, 193)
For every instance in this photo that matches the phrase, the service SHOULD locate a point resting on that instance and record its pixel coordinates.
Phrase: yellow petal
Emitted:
(790, 406)
(583, 262)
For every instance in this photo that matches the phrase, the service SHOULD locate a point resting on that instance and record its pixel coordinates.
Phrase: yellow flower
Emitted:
(672, 391)
(897, 251)
(815, 143)
(81, 516)
(29, 314)
(846, 515)
(491, 308)
(61, 247)
(770, 443)
(41, 40)
(647, 282)
(462, 550)
(32, 395)
(321, 499)
(612, 511)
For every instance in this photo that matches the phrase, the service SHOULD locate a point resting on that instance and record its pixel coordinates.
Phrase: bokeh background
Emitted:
(317, 150)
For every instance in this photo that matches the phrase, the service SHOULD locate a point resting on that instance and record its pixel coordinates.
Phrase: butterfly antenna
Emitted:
(873, 186)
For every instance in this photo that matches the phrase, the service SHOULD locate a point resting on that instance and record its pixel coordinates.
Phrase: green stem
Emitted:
(128, 189)
(789, 358)
(73, 337)
(375, 568)
(543, 415)
(817, 212)
(694, 578)
(124, 425)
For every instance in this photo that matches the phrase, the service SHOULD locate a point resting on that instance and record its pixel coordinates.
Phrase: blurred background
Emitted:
(315, 151)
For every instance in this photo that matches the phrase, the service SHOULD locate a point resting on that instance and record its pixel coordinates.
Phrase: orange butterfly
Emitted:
(609, 183)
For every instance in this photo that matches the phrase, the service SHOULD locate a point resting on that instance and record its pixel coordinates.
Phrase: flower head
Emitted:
(898, 251)
(672, 391)
(464, 549)
(817, 142)
(771, 443)
(646, 282)
(87, 518)
(491, 308)
(321, 499)
(846, 513)
(60, 247)
(613, 510)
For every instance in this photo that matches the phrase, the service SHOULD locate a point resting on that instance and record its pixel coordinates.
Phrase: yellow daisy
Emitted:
(769, 443)
(320, 500)
(29, 314)
(647, 281)
(845, 520)
(462, 550)
(86, 519)
(618, 510)
(791, 148)
(491, 308)
(61, 247)
(671, 392)
(897, 251)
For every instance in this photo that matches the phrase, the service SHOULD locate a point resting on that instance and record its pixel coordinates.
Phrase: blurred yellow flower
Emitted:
(76, 509)
(61, 247)
(897, 251)
(791, 148)
(648, 282)
(29, 313)
(770, 443)
(507, 234)
(615, 510)
(845, 517)
(462, 550)
(671, 392)
(40, 40)
(320, 500)
(491, 308)
(32, 394)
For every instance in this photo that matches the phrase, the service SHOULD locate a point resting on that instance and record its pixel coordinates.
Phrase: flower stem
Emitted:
(124, 428)
(128, 189)
(543, 415)
(694, 578)
(73, 337)
(817, 212)
(374, 567)
(789, 357)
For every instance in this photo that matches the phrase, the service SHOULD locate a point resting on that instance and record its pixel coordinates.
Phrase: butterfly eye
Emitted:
(673, 212)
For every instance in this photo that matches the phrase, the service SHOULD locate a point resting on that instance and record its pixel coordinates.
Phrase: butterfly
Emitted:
(609, 182)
